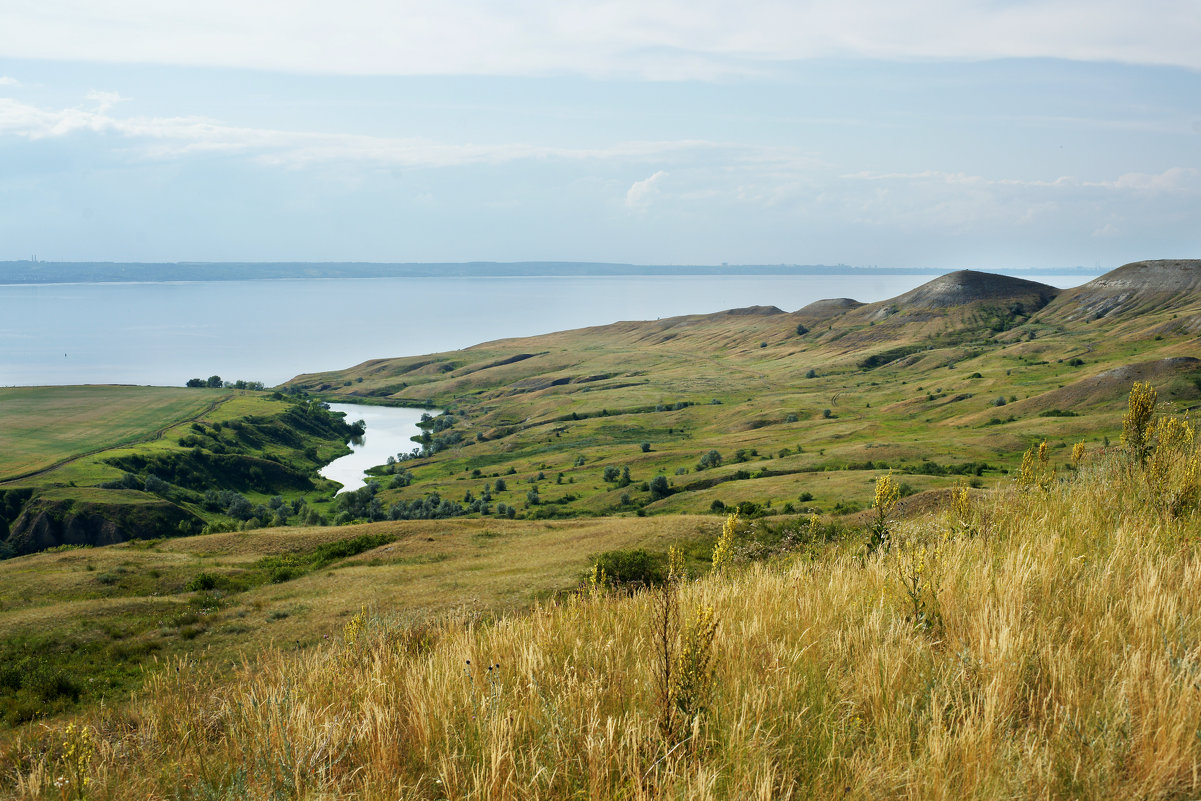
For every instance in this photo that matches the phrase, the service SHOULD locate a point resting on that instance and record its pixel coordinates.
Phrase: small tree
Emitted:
(659, 488)
(646, 447)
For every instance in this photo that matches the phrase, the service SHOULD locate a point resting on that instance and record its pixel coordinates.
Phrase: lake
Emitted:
(388, 433)
(270, 331)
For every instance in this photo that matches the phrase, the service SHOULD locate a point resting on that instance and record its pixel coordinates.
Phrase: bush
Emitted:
(659, 488)
(710, 459)
(646, 447)
(204, 581)
(633, 567)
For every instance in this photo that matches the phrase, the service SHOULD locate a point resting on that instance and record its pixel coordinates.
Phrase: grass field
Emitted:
(931, 393)
(104, 464)
(1040, 641)
(86, 622)
(42, 426)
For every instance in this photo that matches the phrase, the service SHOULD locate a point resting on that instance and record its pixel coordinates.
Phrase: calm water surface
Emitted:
(270, 331)
(388, 432)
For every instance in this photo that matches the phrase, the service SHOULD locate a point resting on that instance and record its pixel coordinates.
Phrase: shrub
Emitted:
(659, 487)
(631, 567)
(204, 581)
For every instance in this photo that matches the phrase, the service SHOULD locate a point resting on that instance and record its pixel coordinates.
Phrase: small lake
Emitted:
(389, 429)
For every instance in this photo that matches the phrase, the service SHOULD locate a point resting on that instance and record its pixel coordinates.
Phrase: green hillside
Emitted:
(956, 378)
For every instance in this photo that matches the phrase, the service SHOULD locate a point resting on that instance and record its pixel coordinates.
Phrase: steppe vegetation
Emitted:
(910, 549)
(777, 413)
(1040, 640)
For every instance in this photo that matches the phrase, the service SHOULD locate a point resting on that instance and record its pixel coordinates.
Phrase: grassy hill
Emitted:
(1037, 641)
(81, 625)
(957, 377)
(1031, 637)
(96, 465)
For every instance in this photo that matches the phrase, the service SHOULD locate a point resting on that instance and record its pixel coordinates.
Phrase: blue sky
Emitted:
(927, 134)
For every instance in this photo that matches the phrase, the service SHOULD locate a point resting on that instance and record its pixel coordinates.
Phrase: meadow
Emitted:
(44, 426)
(803, 409)
(84, 625)
(1037, 641)
(926, 557)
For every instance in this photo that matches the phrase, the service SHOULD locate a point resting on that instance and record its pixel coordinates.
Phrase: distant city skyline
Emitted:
(936, 135)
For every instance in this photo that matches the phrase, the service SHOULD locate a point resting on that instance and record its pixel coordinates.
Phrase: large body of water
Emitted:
(270, 331)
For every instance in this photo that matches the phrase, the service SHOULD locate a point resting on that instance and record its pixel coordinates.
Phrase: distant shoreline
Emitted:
(45, 272)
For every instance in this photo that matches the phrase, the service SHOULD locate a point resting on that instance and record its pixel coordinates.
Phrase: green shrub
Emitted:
(633, 567)
(204, 581)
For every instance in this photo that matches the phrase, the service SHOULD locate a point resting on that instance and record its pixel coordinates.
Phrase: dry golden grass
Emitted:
(1057, 654)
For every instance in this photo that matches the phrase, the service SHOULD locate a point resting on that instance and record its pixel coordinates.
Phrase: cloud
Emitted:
(176, 137)
(7, 81)
(105, 100)
(656, 39)
(641, 193)
(1171, 180)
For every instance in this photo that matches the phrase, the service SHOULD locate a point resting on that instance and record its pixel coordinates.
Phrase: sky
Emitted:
(933, 133)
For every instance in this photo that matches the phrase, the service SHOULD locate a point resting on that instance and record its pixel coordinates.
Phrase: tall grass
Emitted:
(1065, 663)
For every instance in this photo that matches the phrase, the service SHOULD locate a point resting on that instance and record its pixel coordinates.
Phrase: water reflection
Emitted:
(389, 432)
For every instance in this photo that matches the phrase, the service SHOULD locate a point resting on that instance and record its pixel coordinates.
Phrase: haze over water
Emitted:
(270, 331)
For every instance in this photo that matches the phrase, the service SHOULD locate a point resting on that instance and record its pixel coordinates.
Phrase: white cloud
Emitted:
(104, 101)
(174, 137)
(8, 81)
(1171, 180)
(641, 193)
(662, 39)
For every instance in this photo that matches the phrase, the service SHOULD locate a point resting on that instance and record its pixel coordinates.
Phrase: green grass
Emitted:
(42, 426)
(930, 396)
